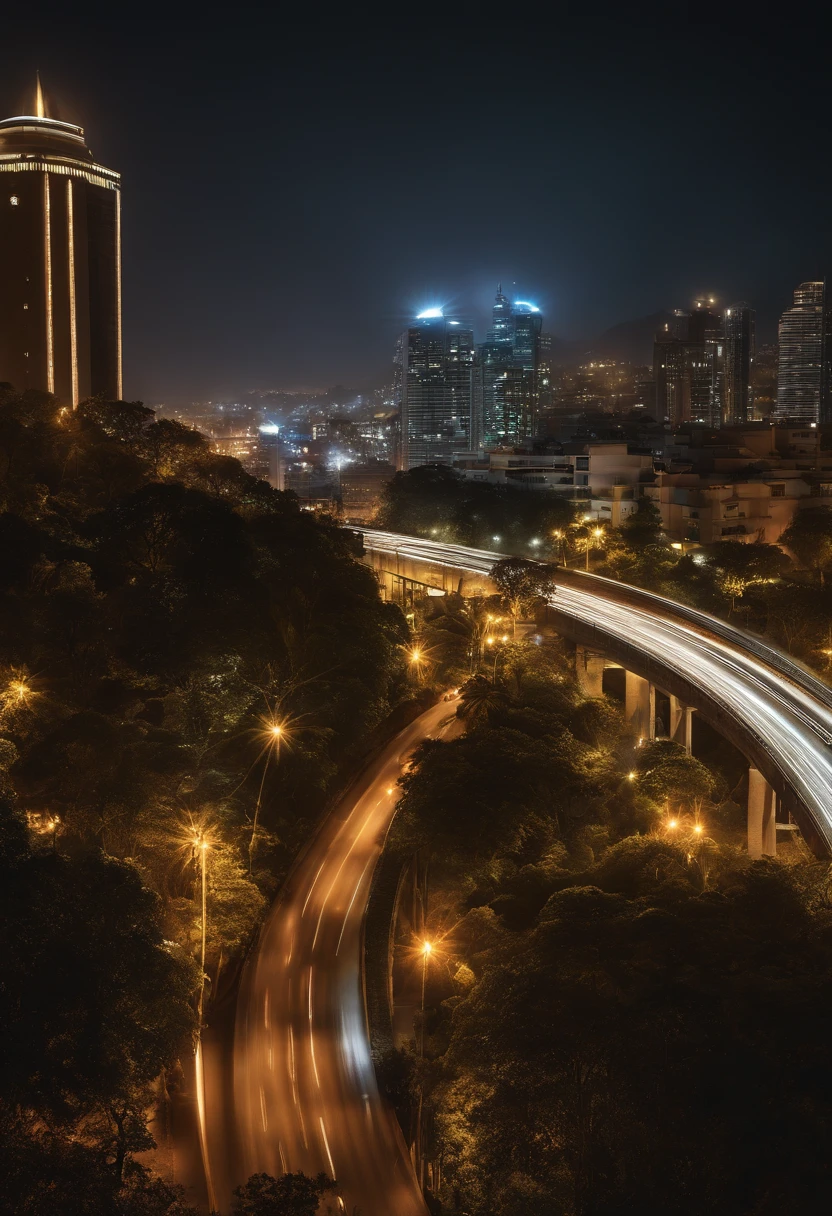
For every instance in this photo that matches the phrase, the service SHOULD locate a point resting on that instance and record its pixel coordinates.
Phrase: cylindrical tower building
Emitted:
(60, 262)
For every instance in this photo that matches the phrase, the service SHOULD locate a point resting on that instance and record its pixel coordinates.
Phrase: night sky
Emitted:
(293, 192)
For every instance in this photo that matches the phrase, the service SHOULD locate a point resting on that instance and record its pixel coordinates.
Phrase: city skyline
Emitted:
(416, 600)
(318, 212)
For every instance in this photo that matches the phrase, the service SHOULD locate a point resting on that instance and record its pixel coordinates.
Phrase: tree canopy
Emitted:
(809, 536)
(439, 503)
(161, 611)
(288, 1195)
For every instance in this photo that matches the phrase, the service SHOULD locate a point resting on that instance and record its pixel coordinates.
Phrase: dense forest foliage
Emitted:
(186, 658)
(440, 504)
(624, 1014)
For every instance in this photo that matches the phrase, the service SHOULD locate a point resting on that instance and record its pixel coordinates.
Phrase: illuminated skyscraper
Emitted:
(738, 357)
(501, 327)
(505, 378)
(803, 377)
(60, 261)
(687, 361)
(434, 359)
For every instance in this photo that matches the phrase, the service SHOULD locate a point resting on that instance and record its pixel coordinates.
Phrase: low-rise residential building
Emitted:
(705, 508)
(740, 483)
(601, 479)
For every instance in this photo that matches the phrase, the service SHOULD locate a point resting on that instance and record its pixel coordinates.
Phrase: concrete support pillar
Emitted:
(688, 739)
(681, 724)
(762, 817)
(589, 669)
(640, 706)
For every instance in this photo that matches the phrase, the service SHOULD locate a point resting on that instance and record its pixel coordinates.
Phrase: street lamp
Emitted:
(201, 847)
(598, 534)
(274, 732)
(427, 949)
(200, 857)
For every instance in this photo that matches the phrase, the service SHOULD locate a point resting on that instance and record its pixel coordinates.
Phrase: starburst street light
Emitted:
(418, 658)
(17, 693)
(273, 734)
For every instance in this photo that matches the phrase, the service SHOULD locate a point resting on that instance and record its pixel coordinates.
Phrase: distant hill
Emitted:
(631, 341)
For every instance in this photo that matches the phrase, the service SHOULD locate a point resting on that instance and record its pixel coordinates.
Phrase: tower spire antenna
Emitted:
(40, 108)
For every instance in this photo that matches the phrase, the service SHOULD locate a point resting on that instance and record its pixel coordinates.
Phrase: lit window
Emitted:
(14, 200)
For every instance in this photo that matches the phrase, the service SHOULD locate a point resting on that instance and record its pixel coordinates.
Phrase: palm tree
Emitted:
(478, 697)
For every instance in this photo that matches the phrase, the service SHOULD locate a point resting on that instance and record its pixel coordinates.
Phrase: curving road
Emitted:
(304, 1090)
(304, 1094)
(786, 707)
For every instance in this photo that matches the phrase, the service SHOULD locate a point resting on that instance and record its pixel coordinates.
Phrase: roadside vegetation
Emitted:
(612, 988)
(189, 664)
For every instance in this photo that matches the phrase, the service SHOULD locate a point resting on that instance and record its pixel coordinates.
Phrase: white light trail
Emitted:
(786, 708)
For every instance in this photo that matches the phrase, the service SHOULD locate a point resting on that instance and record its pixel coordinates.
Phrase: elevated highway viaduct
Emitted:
(773, 709)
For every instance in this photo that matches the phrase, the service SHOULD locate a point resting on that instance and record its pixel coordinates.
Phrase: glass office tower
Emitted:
(433, 378)
(803, 379)
(506, 385)
(739, 336)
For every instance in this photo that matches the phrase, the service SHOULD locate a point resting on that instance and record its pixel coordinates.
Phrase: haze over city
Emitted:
(415, 613)
(295, 197)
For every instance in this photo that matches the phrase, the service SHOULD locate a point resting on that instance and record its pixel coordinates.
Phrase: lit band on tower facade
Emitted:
(60, 262)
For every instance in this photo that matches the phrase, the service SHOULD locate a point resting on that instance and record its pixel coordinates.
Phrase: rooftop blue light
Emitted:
(526, 304)
(429, 312)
